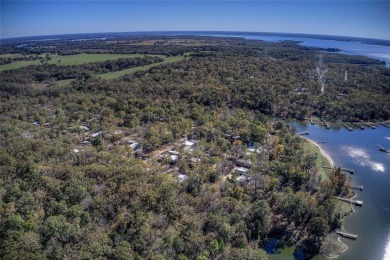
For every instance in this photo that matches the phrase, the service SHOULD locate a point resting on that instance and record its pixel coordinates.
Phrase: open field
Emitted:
(11, 55)
(74, 60)
(116, 74)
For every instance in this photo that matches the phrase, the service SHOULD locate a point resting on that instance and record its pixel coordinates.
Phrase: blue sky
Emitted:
(349, 18)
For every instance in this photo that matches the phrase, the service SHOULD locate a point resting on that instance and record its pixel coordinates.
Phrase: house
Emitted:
(242, 178)
(84, 128)
(36, 123)
(241, 170)
(96, 134)
(189, 145)
(174, 156)
(253, 150)
(182, 177)
(133, 144)
(85, 142)
(244, 163)
(243, 174)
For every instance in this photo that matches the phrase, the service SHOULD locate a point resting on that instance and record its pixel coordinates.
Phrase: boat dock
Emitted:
(357, 187)
(352, 171)
(347, 235)
(368, 125)
(326, 124)
(388, 126)
(349, 128)
(356, 202)
(360, 126)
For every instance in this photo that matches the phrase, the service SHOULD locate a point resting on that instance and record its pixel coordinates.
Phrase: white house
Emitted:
(84, 128)
(241, 170)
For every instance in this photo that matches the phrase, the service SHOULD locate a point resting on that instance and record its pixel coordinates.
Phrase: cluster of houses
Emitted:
(242, 166)
(86, 140)
(173, 156)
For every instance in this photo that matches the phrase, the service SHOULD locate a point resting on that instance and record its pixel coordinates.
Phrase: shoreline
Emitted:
(322, 151)
(343, 245)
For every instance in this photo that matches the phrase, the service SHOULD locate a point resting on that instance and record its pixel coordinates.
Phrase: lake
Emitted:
(355, 46)
(380, 52)
(359, 150)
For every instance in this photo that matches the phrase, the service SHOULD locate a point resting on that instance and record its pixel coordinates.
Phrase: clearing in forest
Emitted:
(76, 59)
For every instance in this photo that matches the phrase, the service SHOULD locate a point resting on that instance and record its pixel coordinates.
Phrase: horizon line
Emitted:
(192, 31)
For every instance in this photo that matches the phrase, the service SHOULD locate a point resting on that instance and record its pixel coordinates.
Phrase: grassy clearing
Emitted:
(11, 55)
(283, 253)
(311, 149)
(344, 208)
(65, 82)
(116, 74)
(331, 247)
(74, 60)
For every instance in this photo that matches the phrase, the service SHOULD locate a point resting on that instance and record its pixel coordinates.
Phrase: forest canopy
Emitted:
(178, 160)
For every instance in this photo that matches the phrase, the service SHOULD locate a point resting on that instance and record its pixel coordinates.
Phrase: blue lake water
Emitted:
(380, 52)
(359, 150)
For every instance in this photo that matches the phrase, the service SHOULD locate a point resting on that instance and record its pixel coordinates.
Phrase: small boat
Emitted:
(384, 150)
(321, 142)
(304, 133)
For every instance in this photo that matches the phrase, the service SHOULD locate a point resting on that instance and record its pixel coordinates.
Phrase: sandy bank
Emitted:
(322, 151)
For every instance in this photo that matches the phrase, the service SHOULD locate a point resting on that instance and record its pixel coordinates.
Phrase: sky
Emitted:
(362, 18)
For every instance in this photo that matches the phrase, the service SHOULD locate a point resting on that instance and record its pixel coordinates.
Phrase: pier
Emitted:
(388, 126)
(360, 126)
(326, 124)
(311, 121)
(349, 129)
(368, 125)
(347, 235)
(357, 187)
(352, 171)
(356, 202)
